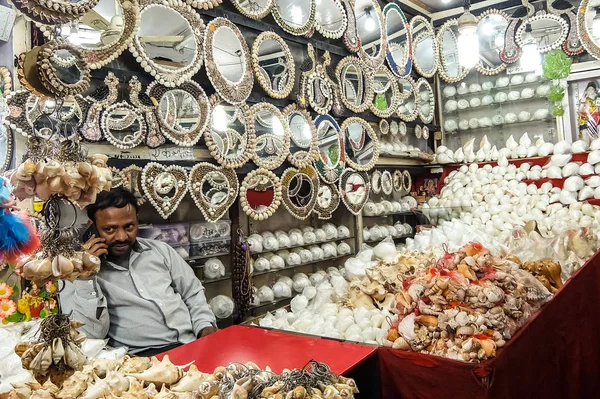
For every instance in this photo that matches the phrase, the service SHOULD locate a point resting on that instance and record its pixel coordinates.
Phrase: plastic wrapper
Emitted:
(222, 306)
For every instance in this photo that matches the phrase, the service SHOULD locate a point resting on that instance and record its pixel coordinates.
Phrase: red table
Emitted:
(275, 349)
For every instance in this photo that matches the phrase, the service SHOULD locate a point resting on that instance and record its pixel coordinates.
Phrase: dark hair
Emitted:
(115, 198)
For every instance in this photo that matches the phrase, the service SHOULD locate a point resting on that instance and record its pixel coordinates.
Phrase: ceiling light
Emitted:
(531, 58)
(370, 22)
(499, 40)
(596, 23)
(219, 119)
(468, 41)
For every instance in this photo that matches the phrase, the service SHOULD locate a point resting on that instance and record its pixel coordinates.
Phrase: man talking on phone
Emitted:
(145, 296)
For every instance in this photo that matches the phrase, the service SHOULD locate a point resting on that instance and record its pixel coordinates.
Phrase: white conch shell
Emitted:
(595, 145)
(42, 361)
(586, 169)
(58, 351)
(114, 383)
(468, 146)
(495, 153)
(160, 373)
(579, 146)
(192, 380)
(511, 144)
(470, 156)
(502, 161)
(459, 156)
(585, 193)
(74, 357)
(562, 147)
(594, 157)
(539, 141)
(525, 141)
(485, 144)
(545, 149)
(480, 156)
(532, 151)
(75, 385)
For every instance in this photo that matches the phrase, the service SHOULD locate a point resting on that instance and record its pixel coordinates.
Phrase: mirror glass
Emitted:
(179, 111)
(228, 54)
(271, 144)
(329, 144)
(368, 25)
(215, 188)
(426, 100)
(355, 190)
(386, 92)
(425, 53)
(274, 65)
(397, 38)
(124, 126)
(65, 65)
(300, 190)
(408, 105)
(325, 197)
(359, 145)
(253, 8)
(294, 14)
(449, 53)
(549, 31)
(100, 27)
(355, 85)
(166, 38)
(300, 131)
(228, 131)
(260, 193)
(165, 186)
(491, 30)
(330, 18)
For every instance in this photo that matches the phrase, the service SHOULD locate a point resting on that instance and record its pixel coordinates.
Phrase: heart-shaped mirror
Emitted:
(330, 19)
(548, 30)
(450, 69)
(164, 186)
(331, 149)
(354, 189)
(371, 31)
(426, 99)
(123, 125)
(272, 136)
(255, 9)
(360, 144)
(273, 64)
(491, 24)
(230, 136)
(356, 84)
(260, 194)
(6, 148)
(409, 106)
(387, 183)
(228, 63)
(183, 112)
(328, 200)
(398, 39)
(213, 189)
(303, 136)
(387, 93)
(376, 181)
(424, 46)
(132, 181)
(299, 189)
(168, 41)
(295, 17)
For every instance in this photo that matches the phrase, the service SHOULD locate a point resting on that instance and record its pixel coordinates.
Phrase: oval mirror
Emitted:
(330, 163)
(490, 25)
(228, 61)
(272, 136)
(273, 64)
(585, 23)
(548, 30)
(408, 105)
(260, 194)
(123, 125)
(328, 200)
(424, 46)
(387, 93)
(213, 189)
(330, 19)
(360, 144)
(387, 182)
(230, 136)
(299, 191)
(168, 42)
(355, 189)
(450, 69)
(351, 39)
(255, 9)
(376, 181)
(295, 17)
(398, 40)
(397, 181)
(371, 32)
(426, 100)
(356, 84)
(303, 136)
(6, 148)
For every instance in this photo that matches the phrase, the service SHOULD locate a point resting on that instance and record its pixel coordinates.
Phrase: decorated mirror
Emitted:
(132, 181)
(164, 186)
(168, 42)
(273, 64)
(255, 9)
(397, 181)
(354, 189)
(295, 17)
(6, 148)
(260, 194)
(303, 136)
(384, 127)
(330, 18)
(356, 84)
(398, 39)
(123, 125)
(183, 112)
(387, 93)
(490, 25)
(371, 32)
(426, 100)
(228, 60)
(360, 144)
(394, 127)
(54, 12)
(424, 46)
(450, 69)
(548, 30)
(299, 191)
(350, 36)
(585, 23)
(272, 136)
(409, 104)
(230, 135)
(387, 185)
(213, 189)
(317, 83)
(328, 200)
(376, 181)
(406, 181)
(330, 162)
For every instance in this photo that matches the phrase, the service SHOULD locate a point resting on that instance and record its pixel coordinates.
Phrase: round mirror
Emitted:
(371, 32)
(273, 64)
(272, 136)
(330, 19)
(490, 25)
(426, 99)
(331, 154)
(355, 189)
(424, 46)
(387, 93)
(65, 66)
(356, 84)
(398, 53)
(228, 60)
(450, 69)
(260, 194)
(59, 67)
(548, 30)
(409, 104)
(230, 136)
(6, 148)
(303, 136)
(255, 9)
(299, 189)
(328, 200)
(123, 125)
(213, 189)
(295, 17)
(360, 144)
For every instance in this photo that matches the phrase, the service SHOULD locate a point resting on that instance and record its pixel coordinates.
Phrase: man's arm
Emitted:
(85, 300)
(191, 290)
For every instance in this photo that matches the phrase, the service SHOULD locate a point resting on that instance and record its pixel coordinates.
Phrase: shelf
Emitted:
(559, 182)
(459, 131)
(198, 257)
(493, 105)
(400, 161)
(393, 238)
(301, 246)
(495, 89)
(413, 212)
(275, 302)
(300, 265)
(216, 280)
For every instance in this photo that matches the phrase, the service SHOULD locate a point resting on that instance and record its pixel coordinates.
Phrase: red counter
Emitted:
(275, 349)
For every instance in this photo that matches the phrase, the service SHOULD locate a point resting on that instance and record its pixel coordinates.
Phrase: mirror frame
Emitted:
(327, 174)
(296, 31)
(196, 182)
(302, 158)
(368, 77)
(442, 70)
(53, 12)
(155, 137)
(231, 92)
(165, 208)
(427, 32)
(388, 178)
(371, 133)
(395, 95)
(384, 127)
(262, 80)
(376, 181)
(253, 14)
(286, 178)
(397, 181)
(583, 32)
(398, 70)
(132, 181)
(7, 81)
(166, 76)
(17, 119)
(355, 209)
(277, 194)
(106, 130)
(281, 156)
(156, 91)
(406, 180)
(351, 39)
(329, 34)
(327, 213)
(425, 118)
(9, 150)
(310, 71)
(375, 62)
(415, 114)
(480, 68)
(539, 17)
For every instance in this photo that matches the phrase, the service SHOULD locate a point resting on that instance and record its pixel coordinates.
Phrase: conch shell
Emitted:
(137, 364)
(137, 391)
(61, 266)
(37, 270)
(74, 358)
(42, 361)
(160, 373)
(114, 383)
(193, 379)
(58, 351)
(75, 385)
(98, 160)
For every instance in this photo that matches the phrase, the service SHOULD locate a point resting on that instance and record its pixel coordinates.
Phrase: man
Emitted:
(145, 296)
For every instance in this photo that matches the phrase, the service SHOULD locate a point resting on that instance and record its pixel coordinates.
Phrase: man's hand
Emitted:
(207, 331)
(96, 246)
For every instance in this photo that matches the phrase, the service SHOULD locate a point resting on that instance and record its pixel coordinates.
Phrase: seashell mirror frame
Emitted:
(309, 174)
(252, 179)
(201, 175)
(262, 76)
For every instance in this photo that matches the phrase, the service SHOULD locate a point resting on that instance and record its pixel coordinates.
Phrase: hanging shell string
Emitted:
(242, 284)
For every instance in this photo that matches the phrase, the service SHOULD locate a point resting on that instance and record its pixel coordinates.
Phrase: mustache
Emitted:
(121, 243)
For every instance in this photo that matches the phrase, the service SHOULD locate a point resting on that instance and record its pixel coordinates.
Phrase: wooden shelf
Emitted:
(300, 265)
(300, 246)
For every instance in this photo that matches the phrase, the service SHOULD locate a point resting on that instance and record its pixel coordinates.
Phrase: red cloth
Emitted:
(555, 355)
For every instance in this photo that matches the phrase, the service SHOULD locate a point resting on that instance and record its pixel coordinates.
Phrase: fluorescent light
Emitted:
(370, 24)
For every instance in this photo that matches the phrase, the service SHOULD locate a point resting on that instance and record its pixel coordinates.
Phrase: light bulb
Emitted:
(488, 29)
(499, 40)
(219, 119)
(296, 14)
(596, 24)
(531, 58)
(370, 24)
(468, 49)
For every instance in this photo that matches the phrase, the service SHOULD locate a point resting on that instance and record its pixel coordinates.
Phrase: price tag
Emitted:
(172, 154)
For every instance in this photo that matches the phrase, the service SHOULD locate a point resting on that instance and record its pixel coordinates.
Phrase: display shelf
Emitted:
(393, 238)
(495, 89)
(300, 265)
(302, 246)
(400, 161)
(503, 125)
(199, 257)
(281, 302)
(555, 182)
(494, 106)
(216, 280)
(415, 212)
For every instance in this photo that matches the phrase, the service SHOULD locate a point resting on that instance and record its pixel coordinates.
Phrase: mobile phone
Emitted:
(88, 233)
